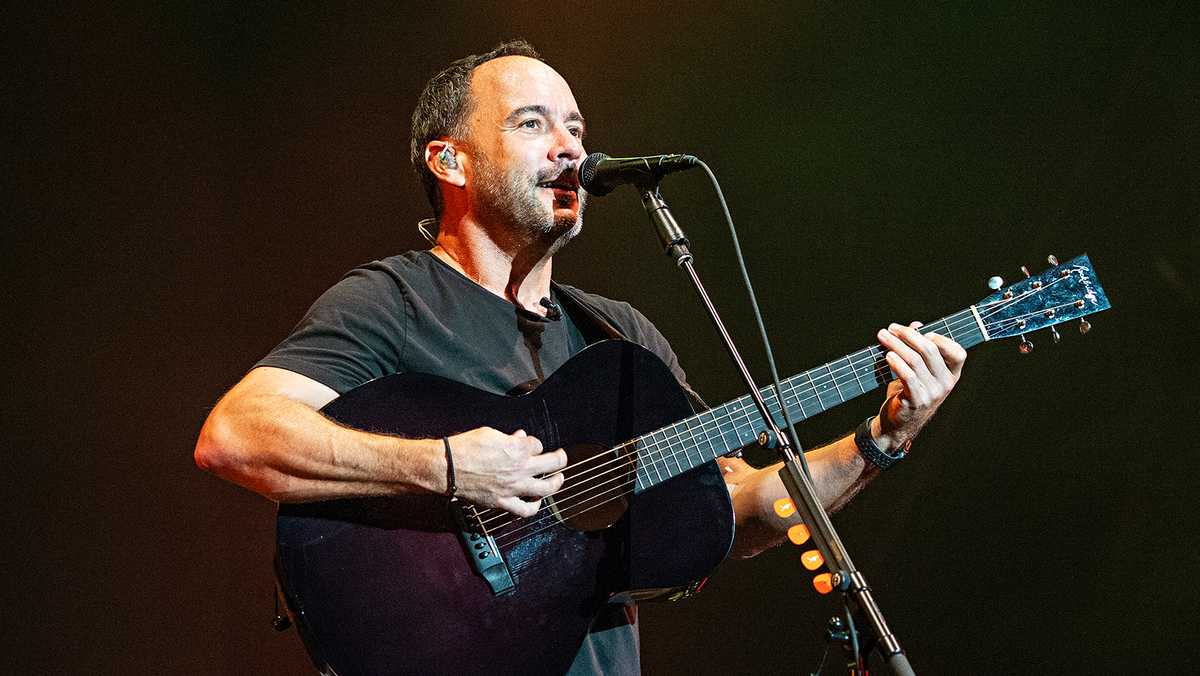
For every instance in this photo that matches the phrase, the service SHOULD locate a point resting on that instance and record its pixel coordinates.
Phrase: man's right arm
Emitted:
(265, 434)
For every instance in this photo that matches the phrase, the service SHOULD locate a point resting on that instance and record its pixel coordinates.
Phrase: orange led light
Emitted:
(812, 559)
(823, 583)
(784, 507)
(798, 534)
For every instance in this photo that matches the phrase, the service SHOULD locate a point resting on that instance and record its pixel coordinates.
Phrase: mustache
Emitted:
(565, 168)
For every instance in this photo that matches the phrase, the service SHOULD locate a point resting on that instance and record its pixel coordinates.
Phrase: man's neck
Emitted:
(518, 272)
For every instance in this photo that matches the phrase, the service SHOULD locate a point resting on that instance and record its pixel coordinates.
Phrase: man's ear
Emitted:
(442, 159)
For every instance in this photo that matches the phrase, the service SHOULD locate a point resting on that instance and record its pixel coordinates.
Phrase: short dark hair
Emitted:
(444, 106)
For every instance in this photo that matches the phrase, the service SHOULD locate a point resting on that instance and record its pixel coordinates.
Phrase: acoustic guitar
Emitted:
(420, 584)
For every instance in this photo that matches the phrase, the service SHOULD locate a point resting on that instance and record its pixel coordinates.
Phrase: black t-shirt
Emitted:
(414, 313)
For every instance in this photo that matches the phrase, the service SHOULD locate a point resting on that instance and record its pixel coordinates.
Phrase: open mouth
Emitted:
(565, 192)
(564, 183)
(560, 184)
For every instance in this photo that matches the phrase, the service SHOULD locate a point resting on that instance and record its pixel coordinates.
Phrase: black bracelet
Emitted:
(869, 450)
(451, 487)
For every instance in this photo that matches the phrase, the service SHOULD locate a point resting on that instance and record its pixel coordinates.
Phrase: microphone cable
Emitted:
(758, 320)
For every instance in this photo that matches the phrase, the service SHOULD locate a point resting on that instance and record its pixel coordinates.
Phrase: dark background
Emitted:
(187, 179)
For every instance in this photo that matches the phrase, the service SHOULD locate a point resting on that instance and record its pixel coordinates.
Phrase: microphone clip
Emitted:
(553, 313)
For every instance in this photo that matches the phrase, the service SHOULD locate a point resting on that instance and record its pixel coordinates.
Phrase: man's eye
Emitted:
(531, 124)
(576, 132)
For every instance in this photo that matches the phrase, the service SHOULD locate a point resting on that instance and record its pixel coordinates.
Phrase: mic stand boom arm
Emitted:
(844, 576)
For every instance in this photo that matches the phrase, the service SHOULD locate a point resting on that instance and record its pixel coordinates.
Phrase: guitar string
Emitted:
(649, 458)
(662, 458)
(874, 355)
(702, 433)
(653, 459)
(853, 362)
(571, 509)
(566, 512)
(562, 509)
(1025, 294)
(736, 415)
(586, 491)
(508, 535)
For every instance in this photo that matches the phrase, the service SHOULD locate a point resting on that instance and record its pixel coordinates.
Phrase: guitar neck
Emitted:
(691, 442)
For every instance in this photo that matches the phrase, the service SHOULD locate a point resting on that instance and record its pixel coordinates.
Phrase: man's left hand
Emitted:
(927, 366)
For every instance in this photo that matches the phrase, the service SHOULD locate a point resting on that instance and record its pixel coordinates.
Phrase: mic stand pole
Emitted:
(844, 576)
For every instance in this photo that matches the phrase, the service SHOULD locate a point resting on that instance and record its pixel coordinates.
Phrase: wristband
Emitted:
(868, 449)
(451, 487)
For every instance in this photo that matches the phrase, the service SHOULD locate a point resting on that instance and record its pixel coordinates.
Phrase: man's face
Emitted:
(525, 136)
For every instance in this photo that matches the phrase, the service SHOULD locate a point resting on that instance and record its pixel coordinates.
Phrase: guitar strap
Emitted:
(598, 325)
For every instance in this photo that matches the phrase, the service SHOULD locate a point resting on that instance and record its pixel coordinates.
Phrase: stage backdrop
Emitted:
(188, 178)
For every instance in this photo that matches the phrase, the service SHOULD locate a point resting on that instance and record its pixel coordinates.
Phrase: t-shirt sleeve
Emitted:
(353, 333)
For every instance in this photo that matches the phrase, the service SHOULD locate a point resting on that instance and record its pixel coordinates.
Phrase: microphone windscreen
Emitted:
(587, 173)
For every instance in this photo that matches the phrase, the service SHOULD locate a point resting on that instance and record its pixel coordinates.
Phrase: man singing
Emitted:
(497, 139)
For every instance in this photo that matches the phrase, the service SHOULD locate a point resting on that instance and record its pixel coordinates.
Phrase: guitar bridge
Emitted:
(481, 549)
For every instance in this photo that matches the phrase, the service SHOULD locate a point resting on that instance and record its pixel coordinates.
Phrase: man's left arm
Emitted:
(927, 367)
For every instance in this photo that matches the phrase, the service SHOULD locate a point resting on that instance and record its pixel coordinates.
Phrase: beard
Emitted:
(511, 200)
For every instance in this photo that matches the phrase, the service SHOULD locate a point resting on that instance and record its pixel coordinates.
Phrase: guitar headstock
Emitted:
(1059, 294)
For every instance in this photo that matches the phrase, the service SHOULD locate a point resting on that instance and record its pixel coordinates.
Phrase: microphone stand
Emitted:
(844, 576)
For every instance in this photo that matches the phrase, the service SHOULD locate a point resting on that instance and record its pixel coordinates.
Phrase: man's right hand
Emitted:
(509, 471)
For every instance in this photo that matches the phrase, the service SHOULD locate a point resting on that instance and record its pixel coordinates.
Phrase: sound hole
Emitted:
(598, 484)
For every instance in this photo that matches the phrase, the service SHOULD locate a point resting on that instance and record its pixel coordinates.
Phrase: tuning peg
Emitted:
(1052, 259)
(995, 282)
(1026, 346)
(1054, 335)
(1025, 271)
(1084, 326)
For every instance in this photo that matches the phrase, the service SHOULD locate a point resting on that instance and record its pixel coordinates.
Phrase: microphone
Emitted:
(552, 312)
(599, 173)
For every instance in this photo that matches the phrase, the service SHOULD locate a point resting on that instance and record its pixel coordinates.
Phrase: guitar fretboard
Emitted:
(691, 442)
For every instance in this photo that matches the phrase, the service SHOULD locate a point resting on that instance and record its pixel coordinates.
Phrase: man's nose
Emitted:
(567, 145)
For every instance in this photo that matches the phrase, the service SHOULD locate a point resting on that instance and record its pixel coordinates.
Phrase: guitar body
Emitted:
(385, 586)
